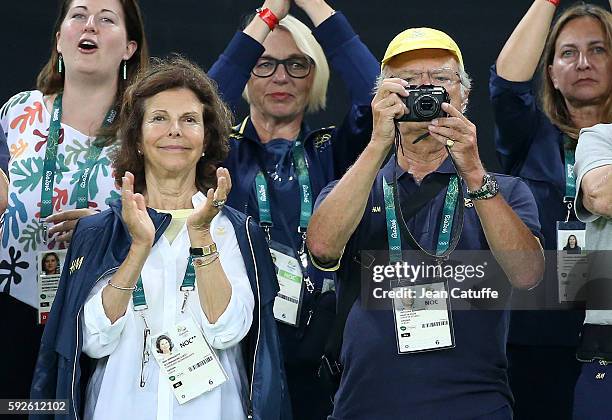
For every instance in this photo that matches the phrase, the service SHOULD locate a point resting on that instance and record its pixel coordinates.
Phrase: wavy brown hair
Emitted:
(173, 72)
(50, 81)
(553, 102)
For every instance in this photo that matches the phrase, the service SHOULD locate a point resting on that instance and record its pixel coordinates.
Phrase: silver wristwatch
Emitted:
(489, 189)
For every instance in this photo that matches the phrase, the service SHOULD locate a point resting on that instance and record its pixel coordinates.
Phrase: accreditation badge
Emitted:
(191, 367)
(288, 301)
(572, 264)
(423, 320)
(49, 264)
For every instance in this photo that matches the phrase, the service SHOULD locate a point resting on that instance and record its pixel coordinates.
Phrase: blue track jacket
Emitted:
(99, 245)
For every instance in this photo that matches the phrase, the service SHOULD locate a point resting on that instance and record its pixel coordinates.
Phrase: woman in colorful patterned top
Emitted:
(59, 170)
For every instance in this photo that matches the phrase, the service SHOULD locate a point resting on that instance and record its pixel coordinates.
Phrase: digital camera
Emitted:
(424, 103)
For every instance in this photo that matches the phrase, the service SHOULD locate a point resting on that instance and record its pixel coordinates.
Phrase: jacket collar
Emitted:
(247, 130)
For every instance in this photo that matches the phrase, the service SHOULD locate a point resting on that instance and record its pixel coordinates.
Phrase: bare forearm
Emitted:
(596, 187)
(214, 288)
(115, 301)
(519, 58)
(257, 29)
(337, 217)
(515, 248)
(317, 11)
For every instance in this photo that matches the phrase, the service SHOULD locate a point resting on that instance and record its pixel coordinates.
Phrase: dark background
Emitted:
(200, 29)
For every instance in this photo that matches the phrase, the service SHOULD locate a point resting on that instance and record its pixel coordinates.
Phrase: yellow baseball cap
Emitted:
(421, 38)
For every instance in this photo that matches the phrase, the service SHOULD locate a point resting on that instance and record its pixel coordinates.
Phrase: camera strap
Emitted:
(447, 241)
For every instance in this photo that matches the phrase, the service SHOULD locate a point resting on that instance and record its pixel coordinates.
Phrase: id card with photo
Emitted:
(288, 302)
(49, 264)
(423, 320)
(191, 367)
(572, 263)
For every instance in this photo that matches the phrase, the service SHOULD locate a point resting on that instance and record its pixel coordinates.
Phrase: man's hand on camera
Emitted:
(387, 106)
(457, 132)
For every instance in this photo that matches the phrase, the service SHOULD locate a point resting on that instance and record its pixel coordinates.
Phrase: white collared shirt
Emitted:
(114, 390)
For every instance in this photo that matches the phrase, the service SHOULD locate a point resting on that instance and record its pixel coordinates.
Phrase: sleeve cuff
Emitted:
(517, 87)
(223, 333)
(330, 266)
(333, 32)
(96, 321)
(243, 51)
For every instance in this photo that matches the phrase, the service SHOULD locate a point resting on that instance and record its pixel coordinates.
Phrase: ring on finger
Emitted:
(450, 143)
(218, 203)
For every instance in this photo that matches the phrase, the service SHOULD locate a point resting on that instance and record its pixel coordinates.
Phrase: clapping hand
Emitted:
(134, 213)
(200, 219)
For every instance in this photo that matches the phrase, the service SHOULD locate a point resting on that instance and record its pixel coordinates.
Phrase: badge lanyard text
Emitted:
(50, 164)
(265, 211)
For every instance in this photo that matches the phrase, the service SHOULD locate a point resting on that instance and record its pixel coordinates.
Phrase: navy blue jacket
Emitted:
(531, 147)
(329, 151)
(99, 245)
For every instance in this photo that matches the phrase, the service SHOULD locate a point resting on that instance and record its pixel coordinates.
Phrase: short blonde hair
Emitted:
(308, 45)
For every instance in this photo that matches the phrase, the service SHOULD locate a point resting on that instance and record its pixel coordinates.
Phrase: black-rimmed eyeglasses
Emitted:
(296, 67)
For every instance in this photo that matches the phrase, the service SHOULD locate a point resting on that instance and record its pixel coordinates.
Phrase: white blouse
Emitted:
(114, 390)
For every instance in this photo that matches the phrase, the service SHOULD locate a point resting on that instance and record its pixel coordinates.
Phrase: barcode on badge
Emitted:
(200, 364)
(290, 299)
(434, 324)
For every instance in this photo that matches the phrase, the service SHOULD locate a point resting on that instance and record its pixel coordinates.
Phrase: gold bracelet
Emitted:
(203, 262)
(125, 289)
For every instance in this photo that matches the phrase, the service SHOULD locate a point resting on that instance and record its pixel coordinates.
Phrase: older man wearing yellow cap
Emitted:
(434, 195)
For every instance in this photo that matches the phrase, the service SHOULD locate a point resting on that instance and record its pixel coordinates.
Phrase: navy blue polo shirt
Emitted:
(463, 382)
(529, 146)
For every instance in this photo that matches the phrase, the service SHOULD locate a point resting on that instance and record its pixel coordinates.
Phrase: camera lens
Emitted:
(426, 107)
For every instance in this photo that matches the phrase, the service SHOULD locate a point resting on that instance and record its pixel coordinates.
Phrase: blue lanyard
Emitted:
(446, 222)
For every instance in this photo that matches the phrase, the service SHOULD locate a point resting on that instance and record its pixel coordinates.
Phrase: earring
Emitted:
(60, 64)
(139, 152)
(124, 70)
(203, 154)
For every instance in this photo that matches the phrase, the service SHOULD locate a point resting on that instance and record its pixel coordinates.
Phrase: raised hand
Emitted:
(457, 132)
(317, 10)
(65, 222)
(200, 219)
(280, 8)
(134, 214)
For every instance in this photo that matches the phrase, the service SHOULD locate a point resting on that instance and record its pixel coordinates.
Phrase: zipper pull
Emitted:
(310, 312)
(250, 410)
